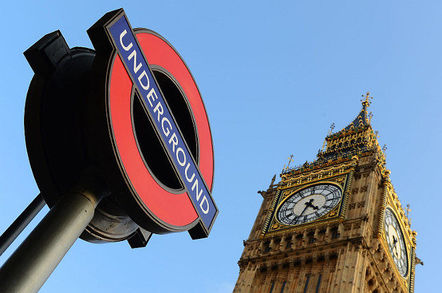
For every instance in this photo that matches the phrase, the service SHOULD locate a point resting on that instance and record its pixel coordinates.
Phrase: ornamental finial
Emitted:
(273, 181)
(332, 126)
(370, 115)
(408, 210)
(366, 100)
(290, 160)
(288, 165)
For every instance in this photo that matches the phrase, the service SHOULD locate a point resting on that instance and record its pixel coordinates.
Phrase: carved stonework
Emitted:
(346, 249)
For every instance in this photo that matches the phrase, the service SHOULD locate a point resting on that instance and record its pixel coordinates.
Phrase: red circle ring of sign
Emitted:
(173, 209)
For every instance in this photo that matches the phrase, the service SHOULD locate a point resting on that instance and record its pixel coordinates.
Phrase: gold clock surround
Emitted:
(342, 181)
(391, 201)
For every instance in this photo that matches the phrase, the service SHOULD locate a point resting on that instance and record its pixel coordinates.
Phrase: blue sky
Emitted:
(273, 78)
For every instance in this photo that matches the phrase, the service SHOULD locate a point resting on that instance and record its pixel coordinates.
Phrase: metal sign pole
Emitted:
(34, 260)
(21, 222)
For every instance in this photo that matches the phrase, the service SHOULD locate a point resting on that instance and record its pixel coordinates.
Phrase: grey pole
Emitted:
(34, 260)
(21, 222)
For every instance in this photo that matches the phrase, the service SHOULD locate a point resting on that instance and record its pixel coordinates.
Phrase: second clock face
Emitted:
(309, 204)
(396, 243)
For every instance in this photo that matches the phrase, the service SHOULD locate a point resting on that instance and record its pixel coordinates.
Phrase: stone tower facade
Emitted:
(332, 225)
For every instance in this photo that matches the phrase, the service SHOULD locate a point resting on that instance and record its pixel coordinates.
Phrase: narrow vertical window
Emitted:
(335, 233)
(319, 283)
(283, 286)
(267, 246)
(306, 283)
(271, 287)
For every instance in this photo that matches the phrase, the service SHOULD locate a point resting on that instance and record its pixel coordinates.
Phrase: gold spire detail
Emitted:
(356, 139)
(408, 210)
(288, 164)
(366, 100)
(332, 126)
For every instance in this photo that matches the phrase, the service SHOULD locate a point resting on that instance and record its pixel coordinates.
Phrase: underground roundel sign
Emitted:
(157, 128)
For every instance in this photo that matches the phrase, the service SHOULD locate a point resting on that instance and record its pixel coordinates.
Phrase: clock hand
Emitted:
(395, 242)
(310, 204)
(296, 219)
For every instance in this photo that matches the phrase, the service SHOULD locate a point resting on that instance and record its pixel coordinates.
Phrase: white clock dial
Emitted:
(309, 204)
(395, 240)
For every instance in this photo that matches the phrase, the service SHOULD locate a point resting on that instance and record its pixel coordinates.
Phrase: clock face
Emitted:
(395, 240)
(309, 204)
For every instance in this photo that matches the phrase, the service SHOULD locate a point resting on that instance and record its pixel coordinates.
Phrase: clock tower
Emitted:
(332, 225)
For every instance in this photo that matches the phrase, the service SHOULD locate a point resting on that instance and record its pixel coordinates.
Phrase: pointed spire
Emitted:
(357, 137)
(363, 118)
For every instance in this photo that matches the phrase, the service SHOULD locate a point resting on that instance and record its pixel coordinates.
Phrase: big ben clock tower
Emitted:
(332, 225)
